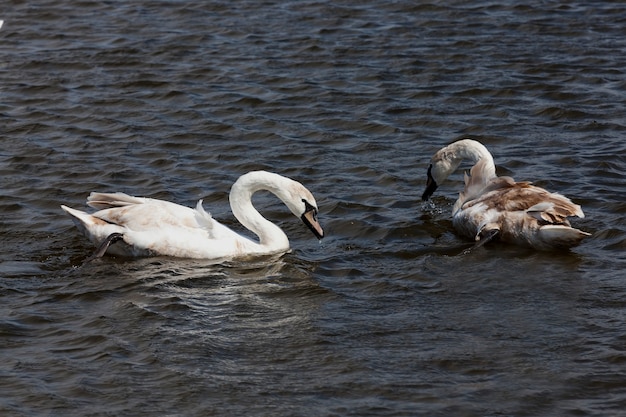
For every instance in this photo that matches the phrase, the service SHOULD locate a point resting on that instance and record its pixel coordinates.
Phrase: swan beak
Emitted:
(310, 219)
(431, 185)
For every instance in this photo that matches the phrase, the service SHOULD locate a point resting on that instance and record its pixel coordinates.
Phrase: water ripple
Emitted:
(388, 314)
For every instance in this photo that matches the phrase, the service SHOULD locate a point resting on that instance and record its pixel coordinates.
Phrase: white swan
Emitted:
(151, 227)
(492, 206)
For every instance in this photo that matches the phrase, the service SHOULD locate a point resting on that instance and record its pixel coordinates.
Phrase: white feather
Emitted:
(157, 227)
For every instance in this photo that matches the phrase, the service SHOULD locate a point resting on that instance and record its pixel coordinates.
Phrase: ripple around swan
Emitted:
(389, 313)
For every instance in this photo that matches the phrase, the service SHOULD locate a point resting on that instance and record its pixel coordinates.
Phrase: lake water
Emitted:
(386, 316)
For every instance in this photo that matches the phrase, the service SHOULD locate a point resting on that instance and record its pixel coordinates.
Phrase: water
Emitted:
(386, 316)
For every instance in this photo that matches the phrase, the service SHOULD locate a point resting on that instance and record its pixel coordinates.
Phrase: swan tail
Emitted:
(109, 200)
(80, 217)
(561, 236)
(94, 228)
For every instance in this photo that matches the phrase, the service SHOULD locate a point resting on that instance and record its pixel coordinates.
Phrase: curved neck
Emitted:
(472, 150)
(271, 237)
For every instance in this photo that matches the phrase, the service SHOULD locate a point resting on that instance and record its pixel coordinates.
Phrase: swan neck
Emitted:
(271, 237)
(473, 151)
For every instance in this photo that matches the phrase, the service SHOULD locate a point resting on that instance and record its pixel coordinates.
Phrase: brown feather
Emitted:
(518, 212)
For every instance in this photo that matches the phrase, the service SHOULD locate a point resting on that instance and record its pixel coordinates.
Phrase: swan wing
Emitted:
(555, 210)
(102, 201)
(149, 215)
(523, 214)
(504, 194)
(151, 226)
(145, 214)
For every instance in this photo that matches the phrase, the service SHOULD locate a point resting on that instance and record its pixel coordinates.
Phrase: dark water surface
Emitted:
(384, 317)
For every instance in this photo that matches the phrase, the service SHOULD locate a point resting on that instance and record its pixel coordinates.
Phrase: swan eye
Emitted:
(309, 207)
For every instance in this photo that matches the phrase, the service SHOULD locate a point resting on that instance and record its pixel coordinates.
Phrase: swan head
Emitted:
(309, 217)
(446, 160)
(440, 168)
(296, 197)
(302, 204)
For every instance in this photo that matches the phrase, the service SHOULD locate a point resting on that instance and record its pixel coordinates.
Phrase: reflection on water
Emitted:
(388, 314)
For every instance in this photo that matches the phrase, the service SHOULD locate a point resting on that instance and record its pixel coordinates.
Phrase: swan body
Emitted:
(492, 206)
(149, 227)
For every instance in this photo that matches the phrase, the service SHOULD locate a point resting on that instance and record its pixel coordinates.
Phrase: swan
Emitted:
(498, 207)
(150, 227)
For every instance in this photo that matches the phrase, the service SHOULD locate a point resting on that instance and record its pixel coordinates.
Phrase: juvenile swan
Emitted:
(148, 227)
(492, 206)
